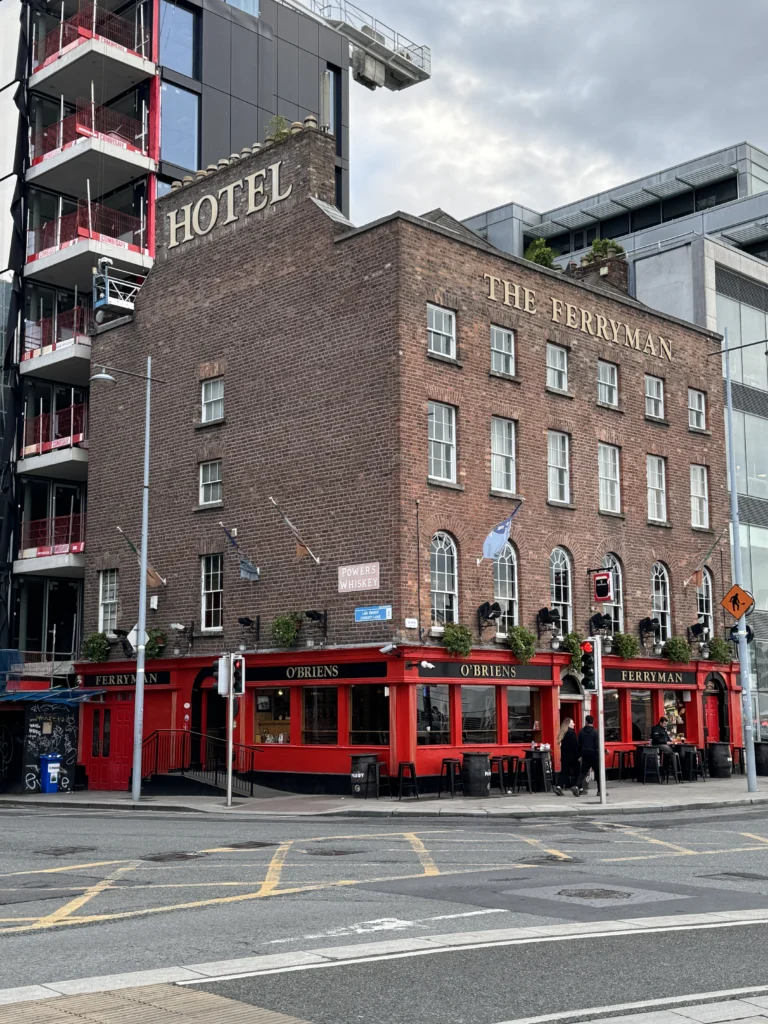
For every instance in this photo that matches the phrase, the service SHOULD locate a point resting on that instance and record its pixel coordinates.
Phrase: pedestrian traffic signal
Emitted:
(238, 674)
(221, 675)
(588, 666)
(733, 635)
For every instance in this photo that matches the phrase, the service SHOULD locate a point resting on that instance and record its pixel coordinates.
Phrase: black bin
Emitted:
(720, 761)
(761, 758)
(359, 774)
(476, 775)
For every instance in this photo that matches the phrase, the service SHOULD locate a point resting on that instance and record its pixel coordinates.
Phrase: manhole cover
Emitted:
(330, 853)
(248, 844)
(595, 894)
(66, 851)
(162, 857)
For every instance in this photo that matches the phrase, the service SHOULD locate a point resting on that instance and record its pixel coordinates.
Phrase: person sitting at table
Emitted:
(660, 737)
(570, 754)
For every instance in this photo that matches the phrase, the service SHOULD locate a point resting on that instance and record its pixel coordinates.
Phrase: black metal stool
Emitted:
(697, 765)
(650, 762)
(704, 763)
(671, 766)
(739, 761)
(376, 775)
(499, 761)
(408, 779)
(450, 776)
(522, 775)
(624, 760)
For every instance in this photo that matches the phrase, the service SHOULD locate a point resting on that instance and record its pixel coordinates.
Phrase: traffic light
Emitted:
(221, 675)
(733, 636)
(237, 674)
(588, 680)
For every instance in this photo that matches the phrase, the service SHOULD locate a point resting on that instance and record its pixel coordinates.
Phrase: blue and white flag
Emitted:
(497, 538)
(248, 571)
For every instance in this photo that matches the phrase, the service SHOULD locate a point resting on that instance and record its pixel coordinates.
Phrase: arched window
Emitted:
(660, 606)
(560, 588)
(704, 603)
(444, 580)
(505, 588)
(615, 608)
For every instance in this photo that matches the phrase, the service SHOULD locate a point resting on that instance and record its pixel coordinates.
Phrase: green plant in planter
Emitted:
(278, 129)
(539, 252)
(522, 643)
(602, 249)
(677, 649)
(96, 647)
(285, 629)
(155, 644)
(457, 639)
(720, 651)
(626, 645)
(572, 643)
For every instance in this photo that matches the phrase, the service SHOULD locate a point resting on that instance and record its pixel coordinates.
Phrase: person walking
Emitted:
(589, 743)
(570, 752)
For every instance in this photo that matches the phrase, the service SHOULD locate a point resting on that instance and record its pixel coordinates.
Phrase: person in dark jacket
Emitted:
(660, 737)
(570, 752)
(589, 742)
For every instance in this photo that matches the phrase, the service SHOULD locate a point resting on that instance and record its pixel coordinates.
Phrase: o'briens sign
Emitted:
(201, 217)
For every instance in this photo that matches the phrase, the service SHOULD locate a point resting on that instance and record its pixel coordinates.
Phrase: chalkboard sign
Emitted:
(51, 729)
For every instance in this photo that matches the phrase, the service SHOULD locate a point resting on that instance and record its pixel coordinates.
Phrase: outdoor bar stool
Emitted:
(738, 761)
(500, 761)
(698, 766)
(671, 766)
(650, 763)
(406, 776)
(704, 762)
(450, 776)
(377, 775)
(624, 760)
(522, 774)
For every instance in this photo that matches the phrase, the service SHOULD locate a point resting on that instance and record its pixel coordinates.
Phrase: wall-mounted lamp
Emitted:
(557, 639)
(547, 619)
(319, 619)
(421, 664)
(125, 643)
(252, 626)
(650, 628)
(599, 623)
(487, 615)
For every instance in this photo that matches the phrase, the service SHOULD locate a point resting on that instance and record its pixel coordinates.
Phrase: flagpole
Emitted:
(295, 532)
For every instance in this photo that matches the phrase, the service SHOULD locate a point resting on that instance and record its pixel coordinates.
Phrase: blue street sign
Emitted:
(375, 613)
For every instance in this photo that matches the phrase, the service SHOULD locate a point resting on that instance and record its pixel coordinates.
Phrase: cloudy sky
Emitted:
(545, 101)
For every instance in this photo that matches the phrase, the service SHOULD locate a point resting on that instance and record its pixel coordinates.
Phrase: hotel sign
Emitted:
(248, 195)
(586, 321)
(640, 676)
(477, 671)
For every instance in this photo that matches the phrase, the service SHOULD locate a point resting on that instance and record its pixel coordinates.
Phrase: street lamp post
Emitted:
(138, 708)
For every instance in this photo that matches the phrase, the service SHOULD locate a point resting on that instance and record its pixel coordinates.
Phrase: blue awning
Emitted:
(58, 696)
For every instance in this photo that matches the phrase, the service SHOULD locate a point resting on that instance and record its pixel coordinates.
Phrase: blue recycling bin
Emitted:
(50, 768)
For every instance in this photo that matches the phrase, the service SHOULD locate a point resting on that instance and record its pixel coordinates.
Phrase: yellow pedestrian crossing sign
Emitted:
(738, 601)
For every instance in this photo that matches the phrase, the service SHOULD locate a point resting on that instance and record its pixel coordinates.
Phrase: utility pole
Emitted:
(746, 685)
(597, 647)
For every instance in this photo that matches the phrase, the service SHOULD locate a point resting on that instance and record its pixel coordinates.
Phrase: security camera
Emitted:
(426, 664)
(388, 649)
(104, 261)
(178, 627)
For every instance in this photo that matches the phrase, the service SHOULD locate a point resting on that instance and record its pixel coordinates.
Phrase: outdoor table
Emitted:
(687, 753)
(539, 767)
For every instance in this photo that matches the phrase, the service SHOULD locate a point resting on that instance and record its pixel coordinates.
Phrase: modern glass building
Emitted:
(696, 237)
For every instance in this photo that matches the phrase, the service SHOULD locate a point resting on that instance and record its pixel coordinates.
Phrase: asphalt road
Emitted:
(88, 893)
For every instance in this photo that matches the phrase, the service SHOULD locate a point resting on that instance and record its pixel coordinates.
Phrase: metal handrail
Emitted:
(54, 331)
(46, 535)
(197, 755)
(61, 429)
(84, 223)
(86, 122)
(92, 20)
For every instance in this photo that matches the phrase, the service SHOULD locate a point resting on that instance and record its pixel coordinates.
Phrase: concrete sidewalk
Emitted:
(623, 798)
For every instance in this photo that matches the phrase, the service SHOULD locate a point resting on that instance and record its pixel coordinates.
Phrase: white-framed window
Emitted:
(502, 350)
(654, 397)
(608, 475)
(212, 587)
(557, 367)
(441, 331)
(558, 471)
(615, 608)
(443, 580)
(697, 409)
(607, 382)
(210, 482)
(660, 606)
(699, 496)
(704, 603)
(503, 476)
(656, 473)
(505, 588)
(108, 601)
(213, 399)
(561, 591)
(441, 421)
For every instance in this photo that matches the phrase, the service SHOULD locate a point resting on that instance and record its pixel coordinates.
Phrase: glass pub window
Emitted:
(478, 714)
(557, 367)
(560, 587)
(180, 126)
(108, 600)
(433, 714)
(657, 488)
(502, 351)
(642, 714)
(559, 488)
(704, 603)
(608, 474)
(210, 483)
(505, 588)
(178, 38)
(520, 714)
(615, 608)
(654, 397)
(441, 331)
(212, 591)
(213, 399)
(369, 715)
(699, 497)
(441, 423)
(321, 714)
(443, 580)
(697, 409)
(503, 455)
(607, 383)
(611, 715)
(660, 608)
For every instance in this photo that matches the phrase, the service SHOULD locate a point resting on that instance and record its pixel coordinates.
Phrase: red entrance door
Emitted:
(712, 717)
(571, 709)
(108, 745)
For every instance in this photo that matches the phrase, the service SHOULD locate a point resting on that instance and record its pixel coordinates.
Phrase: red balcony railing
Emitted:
(60, 535)
(91, 21)
(88, 122)
(102, 223)
(48, 432)
(54, 332)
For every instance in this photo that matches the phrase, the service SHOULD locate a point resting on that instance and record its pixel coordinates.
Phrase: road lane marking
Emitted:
(659, 842)
(69, 867)
(690, 853)
(275, 869)
(384, 924)
(51, 920)
(552, 852)
(751, 835)
(425, 858)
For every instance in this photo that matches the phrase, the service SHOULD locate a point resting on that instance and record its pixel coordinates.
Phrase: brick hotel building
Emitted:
(396, 387)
